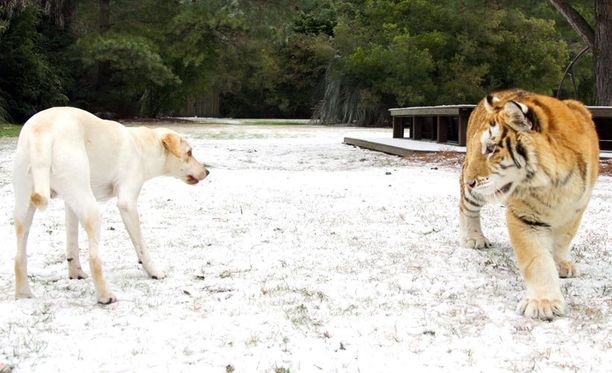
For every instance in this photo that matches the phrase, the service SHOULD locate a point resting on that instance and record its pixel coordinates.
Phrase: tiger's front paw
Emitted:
(542, 309)
(567, 268)
(476, 242)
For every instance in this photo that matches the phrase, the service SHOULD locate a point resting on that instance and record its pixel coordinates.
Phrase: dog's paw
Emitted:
(567, 269)
(543, 309)
(157, 275)
(107, 299)
(23, 293)
(152, 271)
(77, 274)
(476, 242)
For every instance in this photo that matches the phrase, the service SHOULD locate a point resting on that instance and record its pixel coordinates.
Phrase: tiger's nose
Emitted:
(470, 183)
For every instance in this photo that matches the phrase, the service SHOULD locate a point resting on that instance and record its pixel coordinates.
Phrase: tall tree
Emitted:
(598, 38)
(419, 52)
(31, 75)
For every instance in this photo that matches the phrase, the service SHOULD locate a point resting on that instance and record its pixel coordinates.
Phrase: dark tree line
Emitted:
(340, 61)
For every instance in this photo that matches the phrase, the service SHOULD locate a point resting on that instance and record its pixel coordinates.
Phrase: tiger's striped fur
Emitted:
(540, 156)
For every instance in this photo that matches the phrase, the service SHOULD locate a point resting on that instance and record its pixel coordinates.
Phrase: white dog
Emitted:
(71, 153)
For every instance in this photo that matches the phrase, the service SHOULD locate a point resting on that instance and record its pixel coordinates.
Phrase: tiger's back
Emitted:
(540, 156)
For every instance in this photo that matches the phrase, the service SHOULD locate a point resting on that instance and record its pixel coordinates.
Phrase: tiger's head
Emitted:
(500, 155)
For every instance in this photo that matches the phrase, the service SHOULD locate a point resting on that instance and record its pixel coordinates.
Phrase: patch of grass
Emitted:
(252, 341)
(276, 122)
(9, 130)
(226, 135)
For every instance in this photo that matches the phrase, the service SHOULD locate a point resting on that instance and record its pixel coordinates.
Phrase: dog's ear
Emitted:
(172, 143)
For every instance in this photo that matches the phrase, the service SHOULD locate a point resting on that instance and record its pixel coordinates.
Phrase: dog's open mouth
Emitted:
(503, 190)
(191, 180)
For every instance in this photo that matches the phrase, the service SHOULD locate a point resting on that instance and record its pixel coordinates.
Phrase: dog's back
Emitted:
(64, 143)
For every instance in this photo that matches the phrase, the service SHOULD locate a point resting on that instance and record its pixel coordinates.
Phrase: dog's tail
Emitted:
(41, 153)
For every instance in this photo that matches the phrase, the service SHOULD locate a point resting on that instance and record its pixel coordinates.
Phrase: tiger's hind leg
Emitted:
(562, 239)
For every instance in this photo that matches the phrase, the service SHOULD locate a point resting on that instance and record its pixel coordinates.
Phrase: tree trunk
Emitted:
(104, 25)
(576, 20)
(599, 39)
(602, 51)
(104, 16)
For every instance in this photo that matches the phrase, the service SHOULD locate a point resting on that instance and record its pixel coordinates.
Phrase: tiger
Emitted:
(540, 157)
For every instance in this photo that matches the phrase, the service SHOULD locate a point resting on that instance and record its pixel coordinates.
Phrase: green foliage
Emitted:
(135, 69)
(424, 53)
(29, 81)
(284, 77)
(134, 57)
(317, 18)
(9, 130)
(347, 61)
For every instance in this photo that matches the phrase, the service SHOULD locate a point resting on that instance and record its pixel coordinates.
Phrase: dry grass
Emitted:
(605, 166)
(443, 158)
(455, 160)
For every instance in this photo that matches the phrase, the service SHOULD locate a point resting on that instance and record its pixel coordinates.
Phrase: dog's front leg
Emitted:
(129, 214)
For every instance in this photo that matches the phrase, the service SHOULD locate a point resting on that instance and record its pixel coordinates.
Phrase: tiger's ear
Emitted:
(517, 116)
(172, 143)
(489, 103)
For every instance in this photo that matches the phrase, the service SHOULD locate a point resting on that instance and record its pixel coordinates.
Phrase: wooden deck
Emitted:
(448, 123)
(399, 147)
(404, 146)
(445, 123)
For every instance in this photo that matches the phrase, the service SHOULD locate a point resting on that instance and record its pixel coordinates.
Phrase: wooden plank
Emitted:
(385, 148)
(429, 110)
(601, 111)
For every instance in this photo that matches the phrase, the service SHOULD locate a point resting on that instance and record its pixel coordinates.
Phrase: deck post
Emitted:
(398, 127)
(417, 128)
(442, 129)
(464, 116)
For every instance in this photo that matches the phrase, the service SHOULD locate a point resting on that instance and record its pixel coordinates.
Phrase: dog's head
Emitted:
(180, 162)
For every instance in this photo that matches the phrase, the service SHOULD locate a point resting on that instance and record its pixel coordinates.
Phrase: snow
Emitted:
(300, 254)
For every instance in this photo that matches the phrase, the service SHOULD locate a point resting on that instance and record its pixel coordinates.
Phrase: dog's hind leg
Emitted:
(77, 193)
(24, 213)
(84, 205)
(75, 271)
(126, 202)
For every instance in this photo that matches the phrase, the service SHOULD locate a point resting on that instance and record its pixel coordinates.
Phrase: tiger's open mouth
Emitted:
(503, 190)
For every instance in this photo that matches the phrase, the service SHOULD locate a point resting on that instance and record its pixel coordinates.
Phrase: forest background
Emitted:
(337, 61)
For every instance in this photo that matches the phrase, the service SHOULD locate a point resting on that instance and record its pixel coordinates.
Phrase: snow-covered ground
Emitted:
(300, 254)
